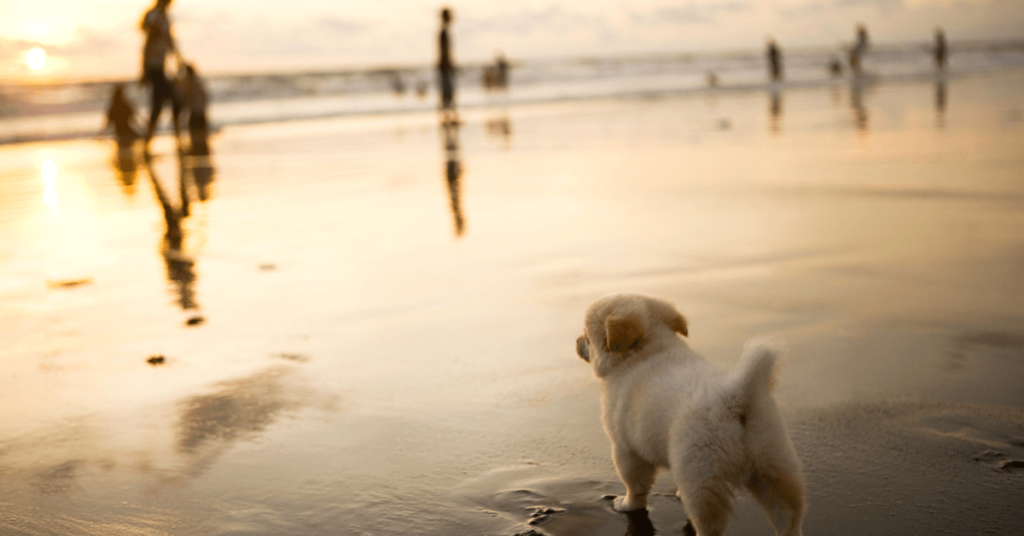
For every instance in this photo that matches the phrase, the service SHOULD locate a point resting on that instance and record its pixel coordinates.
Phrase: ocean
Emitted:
(32, 112)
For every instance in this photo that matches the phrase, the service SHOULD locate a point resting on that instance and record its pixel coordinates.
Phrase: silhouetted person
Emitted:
(159, 43)
(774, 61)
(941, 50)
(453, 172)
(501, 64)
(859, 48)
(197, 167)
(397, 84)
(121, 116)
(712, 79)
(446, 68)
(835, 67)
(495, 76)
(193, 103)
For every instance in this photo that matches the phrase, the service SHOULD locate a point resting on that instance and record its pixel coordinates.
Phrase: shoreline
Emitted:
(390, 310)
(246, 112)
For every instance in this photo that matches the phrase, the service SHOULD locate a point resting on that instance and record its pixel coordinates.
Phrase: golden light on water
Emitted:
(36, 59)
(48, 169)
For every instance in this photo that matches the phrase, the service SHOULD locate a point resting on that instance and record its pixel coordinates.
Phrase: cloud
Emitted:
(695, 12)
(883, 4)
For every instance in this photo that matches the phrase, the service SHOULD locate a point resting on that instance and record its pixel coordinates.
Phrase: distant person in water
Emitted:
(859, 48)
(159, 43)
(712, 79)
(941, 50)
(502, 65)
(774, 60)
(446, 68)
(495, 77)
(121, 116)
(835, 67)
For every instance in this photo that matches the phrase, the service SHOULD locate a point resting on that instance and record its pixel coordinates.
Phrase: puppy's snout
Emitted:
(581, 349)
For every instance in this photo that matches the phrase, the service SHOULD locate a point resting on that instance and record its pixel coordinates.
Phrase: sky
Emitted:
(100, 39)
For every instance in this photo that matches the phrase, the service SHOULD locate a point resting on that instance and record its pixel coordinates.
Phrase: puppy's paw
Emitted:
(627, 504)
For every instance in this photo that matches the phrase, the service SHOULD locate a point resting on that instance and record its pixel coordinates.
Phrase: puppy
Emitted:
(664, 406)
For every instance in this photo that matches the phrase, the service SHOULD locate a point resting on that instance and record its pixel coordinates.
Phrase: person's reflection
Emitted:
(126, 168)
(860, 113)
(180, 267)
(940, 101)
(775, 109)
(501, 128)
(453, 171)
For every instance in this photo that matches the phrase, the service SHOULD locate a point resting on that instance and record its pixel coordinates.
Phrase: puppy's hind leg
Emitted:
(638, 476)
(708, 506)
(781, 494)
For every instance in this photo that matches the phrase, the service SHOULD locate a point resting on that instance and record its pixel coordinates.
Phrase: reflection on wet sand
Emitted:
(775, 109)
(639, 524)
(235, 411)
(195, 171)
(537, 496)
(500, 128)
(940, 101)
(57, 479)
(180, 267)
(67, 460)
(858, 87)
(126, 167)
(453, 172)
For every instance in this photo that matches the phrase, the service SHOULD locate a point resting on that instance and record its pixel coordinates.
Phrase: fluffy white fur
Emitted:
(665, 406)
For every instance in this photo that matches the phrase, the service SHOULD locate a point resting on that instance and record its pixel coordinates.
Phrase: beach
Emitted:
(368, 325)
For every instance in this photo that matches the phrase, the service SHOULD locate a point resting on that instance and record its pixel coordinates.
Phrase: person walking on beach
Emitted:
(774, 60)
(940, 49)
(159, 43)
(446, 68)
(859, 49)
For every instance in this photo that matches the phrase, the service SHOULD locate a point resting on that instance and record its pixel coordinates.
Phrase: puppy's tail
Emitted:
(754, 376)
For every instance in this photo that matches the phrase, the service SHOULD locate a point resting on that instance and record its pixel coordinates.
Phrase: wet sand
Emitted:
(389, 316)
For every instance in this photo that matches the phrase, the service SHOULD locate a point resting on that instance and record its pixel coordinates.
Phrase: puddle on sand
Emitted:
(541, 498)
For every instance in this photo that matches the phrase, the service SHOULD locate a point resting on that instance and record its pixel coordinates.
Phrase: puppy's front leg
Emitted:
(638, 476)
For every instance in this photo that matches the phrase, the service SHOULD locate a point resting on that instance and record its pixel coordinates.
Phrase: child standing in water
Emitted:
(193, 98)
(121, 116)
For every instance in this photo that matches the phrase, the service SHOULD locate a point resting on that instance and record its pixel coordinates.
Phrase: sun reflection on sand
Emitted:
(50, 197)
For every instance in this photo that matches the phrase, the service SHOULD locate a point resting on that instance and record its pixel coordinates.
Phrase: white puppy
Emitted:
(665, 406)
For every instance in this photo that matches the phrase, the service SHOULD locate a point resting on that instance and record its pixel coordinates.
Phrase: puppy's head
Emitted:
(620, 327)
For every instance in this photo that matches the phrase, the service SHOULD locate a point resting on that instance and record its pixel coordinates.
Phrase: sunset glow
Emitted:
(102, 38)
(36, 59)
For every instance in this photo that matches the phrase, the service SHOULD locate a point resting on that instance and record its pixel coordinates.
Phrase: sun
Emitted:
(36, 59)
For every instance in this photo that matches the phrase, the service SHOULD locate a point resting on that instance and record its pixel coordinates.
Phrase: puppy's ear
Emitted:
(678, 324)
(623, 333)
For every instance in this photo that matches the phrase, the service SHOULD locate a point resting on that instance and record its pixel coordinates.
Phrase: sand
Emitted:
(387, 340)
